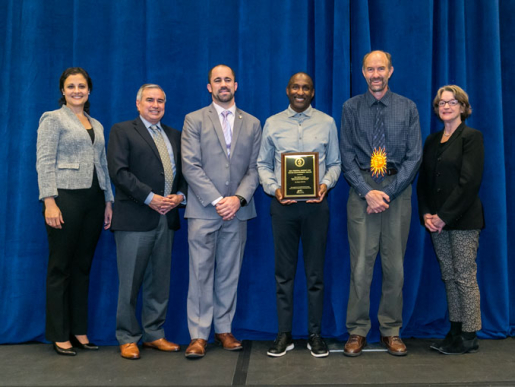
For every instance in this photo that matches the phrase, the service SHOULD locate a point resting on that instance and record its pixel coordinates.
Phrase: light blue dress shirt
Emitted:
(289, 131)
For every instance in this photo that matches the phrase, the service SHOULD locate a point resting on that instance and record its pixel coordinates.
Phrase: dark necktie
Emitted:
(378, 140)
(165, 158)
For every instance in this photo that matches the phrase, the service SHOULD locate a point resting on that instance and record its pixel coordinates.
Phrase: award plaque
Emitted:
(299, 175)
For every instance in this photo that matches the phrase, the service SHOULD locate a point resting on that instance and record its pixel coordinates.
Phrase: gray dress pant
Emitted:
(144, 262)
(387, 233)
(216, 254)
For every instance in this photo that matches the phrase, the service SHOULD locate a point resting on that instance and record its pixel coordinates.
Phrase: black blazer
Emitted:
(450, 177)
(136, 169)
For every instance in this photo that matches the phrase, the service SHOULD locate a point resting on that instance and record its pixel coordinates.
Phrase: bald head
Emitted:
(378, 54)
(300, 75)
(300, 91)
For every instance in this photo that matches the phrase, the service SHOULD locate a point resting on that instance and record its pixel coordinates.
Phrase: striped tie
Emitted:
(226, 126)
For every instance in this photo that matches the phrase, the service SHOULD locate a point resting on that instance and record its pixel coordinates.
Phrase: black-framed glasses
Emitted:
(451, 102)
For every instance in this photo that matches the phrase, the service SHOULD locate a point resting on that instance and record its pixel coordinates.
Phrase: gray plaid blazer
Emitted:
(66, 156)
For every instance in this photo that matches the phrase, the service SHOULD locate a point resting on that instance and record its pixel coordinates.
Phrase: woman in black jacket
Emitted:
(450, 208)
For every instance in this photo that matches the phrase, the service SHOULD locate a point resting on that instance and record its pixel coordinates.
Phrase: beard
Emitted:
(224, 98)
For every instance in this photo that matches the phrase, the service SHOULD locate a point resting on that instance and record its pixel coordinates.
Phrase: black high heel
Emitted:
(76, 343)
(64, 351)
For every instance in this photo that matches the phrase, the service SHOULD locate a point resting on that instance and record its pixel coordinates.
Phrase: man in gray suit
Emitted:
(145, 166)
(220, 145)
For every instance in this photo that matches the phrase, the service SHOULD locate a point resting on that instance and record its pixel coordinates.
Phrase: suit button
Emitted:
(226, 183)
(439, 159)
(438, 174)
(226, 165)
(438, 190)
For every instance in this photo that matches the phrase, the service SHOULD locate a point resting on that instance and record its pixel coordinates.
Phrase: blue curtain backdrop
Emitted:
(125, 43)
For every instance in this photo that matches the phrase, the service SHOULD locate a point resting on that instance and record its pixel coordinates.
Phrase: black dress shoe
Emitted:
(454, 332)
(282, 344)
(64, 351)
(317, 345)
(439, 345)
(76, 343)
(460, 346)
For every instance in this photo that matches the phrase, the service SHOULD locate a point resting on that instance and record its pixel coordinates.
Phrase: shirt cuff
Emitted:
(149, 198)
(273, 188)
(215, 202)
(185, 200)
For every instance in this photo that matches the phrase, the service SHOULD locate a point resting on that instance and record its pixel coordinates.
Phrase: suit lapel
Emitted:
(143, 132)
(238, 121)
(213, 116)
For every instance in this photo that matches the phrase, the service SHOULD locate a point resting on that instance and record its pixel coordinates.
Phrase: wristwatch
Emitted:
(243, 202)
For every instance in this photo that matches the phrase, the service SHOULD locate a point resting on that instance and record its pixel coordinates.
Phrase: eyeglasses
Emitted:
(452, 102)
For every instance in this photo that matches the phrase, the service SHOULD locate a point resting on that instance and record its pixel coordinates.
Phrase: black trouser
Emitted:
(71, 252)
(290, 224)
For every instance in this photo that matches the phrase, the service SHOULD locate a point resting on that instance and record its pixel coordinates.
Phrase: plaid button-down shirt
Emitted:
(402, 135)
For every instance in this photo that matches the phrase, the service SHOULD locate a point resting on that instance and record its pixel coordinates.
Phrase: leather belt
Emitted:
(388, 172)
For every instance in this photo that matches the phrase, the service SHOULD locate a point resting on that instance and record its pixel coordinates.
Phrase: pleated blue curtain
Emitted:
(126, 43)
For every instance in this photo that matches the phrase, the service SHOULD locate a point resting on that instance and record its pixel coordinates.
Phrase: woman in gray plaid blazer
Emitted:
(76, 191)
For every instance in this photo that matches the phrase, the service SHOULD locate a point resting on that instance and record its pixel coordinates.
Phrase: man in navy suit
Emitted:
(144, 158)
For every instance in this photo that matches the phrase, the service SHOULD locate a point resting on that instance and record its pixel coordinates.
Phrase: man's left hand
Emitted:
(322, 190)
(227, 207)
(175, 200)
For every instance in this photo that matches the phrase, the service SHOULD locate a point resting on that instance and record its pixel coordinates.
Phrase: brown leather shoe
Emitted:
(197, 348)
(163, 345)
(394, 345)
(228, 341)
(354, 345)
(130, 351)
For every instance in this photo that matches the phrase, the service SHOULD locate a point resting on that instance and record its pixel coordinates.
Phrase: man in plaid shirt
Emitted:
(381, 151)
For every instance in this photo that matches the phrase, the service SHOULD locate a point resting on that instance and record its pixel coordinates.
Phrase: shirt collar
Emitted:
(220, 109)
(292, 113)
(371, 99)
(149, 124)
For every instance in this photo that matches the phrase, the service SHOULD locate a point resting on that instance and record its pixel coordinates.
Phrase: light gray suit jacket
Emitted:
(66, 156)
(210, 173)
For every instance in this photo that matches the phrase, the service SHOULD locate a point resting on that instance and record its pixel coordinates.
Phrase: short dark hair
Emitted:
(218, 65)
(387, 54)
(459, 94)
(301, 73)
(73, 71)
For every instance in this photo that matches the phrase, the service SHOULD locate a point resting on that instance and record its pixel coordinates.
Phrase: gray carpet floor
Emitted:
(39, 365)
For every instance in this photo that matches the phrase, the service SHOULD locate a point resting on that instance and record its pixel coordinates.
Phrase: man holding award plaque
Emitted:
(299, 161)
(381, 151)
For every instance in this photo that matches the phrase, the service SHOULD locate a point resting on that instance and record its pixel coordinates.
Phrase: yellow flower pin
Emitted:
(378, 162)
